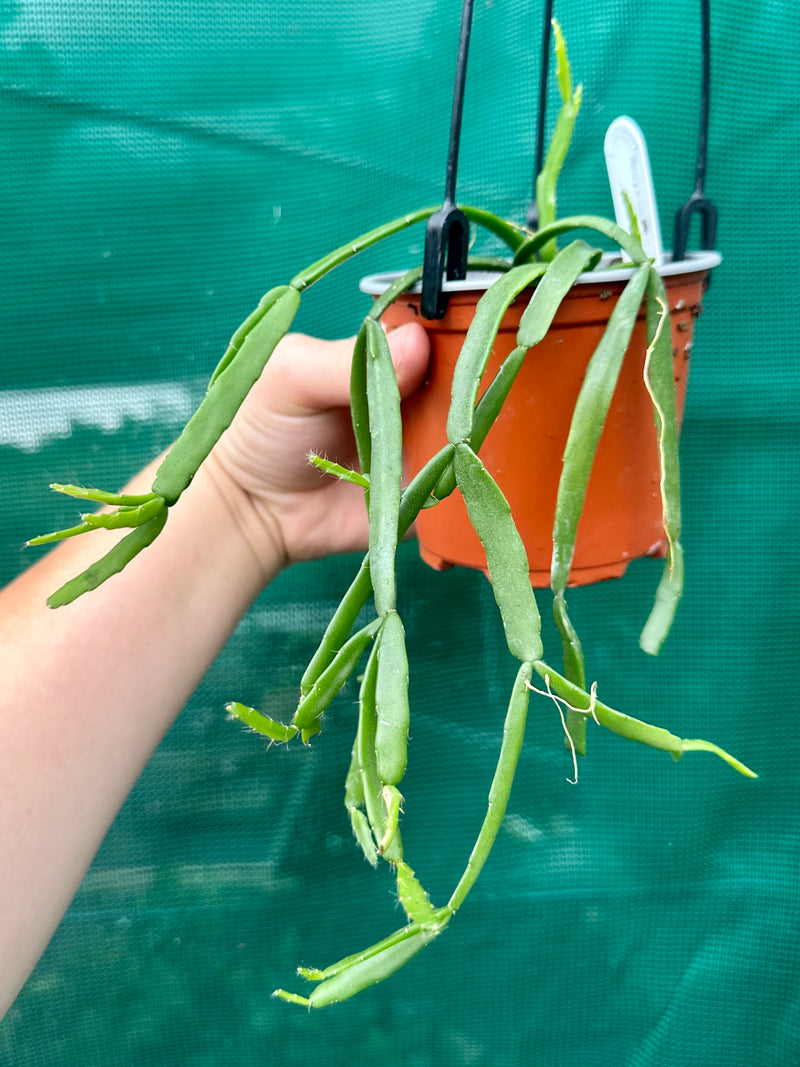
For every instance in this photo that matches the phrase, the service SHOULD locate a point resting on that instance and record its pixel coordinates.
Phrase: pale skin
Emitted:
(90, 689)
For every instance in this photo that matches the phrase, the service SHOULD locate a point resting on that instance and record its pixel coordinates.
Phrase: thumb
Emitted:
(410, 350)
(313, 375)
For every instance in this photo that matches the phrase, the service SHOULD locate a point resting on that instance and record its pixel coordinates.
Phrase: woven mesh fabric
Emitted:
(163, 165)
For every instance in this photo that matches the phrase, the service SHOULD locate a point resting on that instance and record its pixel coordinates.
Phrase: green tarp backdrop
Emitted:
(162, 165)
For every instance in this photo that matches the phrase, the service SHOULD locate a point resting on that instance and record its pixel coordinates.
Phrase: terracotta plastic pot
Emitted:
(523, 451)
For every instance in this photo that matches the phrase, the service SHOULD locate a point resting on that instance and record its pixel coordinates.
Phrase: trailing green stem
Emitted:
(547, 180)
(478, 345)
(344, 618)
(355, 973)
(340, 255)
(333, 677)
(500, 790)
(260, 723)
(365, 759)
(587, 424)
(608, 229)
(396, 289)
(386, 465)
(112, 563)
(508, 232)
(625, 725)
(574, 670)
(660, 382)
(226, 392)
(506, 560)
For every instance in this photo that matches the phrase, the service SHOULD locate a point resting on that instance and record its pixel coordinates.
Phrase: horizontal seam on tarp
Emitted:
(111, 114)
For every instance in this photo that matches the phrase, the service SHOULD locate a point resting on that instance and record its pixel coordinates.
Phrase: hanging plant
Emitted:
(541, 272)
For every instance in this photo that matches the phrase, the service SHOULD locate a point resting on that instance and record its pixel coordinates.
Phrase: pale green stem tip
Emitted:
(291, 998)
(697, 745)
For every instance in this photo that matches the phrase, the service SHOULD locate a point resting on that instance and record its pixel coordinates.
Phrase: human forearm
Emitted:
(90, 689)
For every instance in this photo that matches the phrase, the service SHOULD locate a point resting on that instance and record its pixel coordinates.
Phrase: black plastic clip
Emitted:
(446, 248)
(447, 235)
(698, 202)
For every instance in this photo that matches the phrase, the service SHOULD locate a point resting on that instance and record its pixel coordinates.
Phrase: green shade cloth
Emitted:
(162, 165)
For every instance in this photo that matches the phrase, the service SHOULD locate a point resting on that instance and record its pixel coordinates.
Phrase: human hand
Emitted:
(155, 628)
(287, 510)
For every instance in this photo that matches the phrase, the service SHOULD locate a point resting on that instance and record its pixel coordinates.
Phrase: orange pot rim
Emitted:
(478, 281)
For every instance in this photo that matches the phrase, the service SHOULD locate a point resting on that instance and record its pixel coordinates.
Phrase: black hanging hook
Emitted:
(698, 202)
(447, 235)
